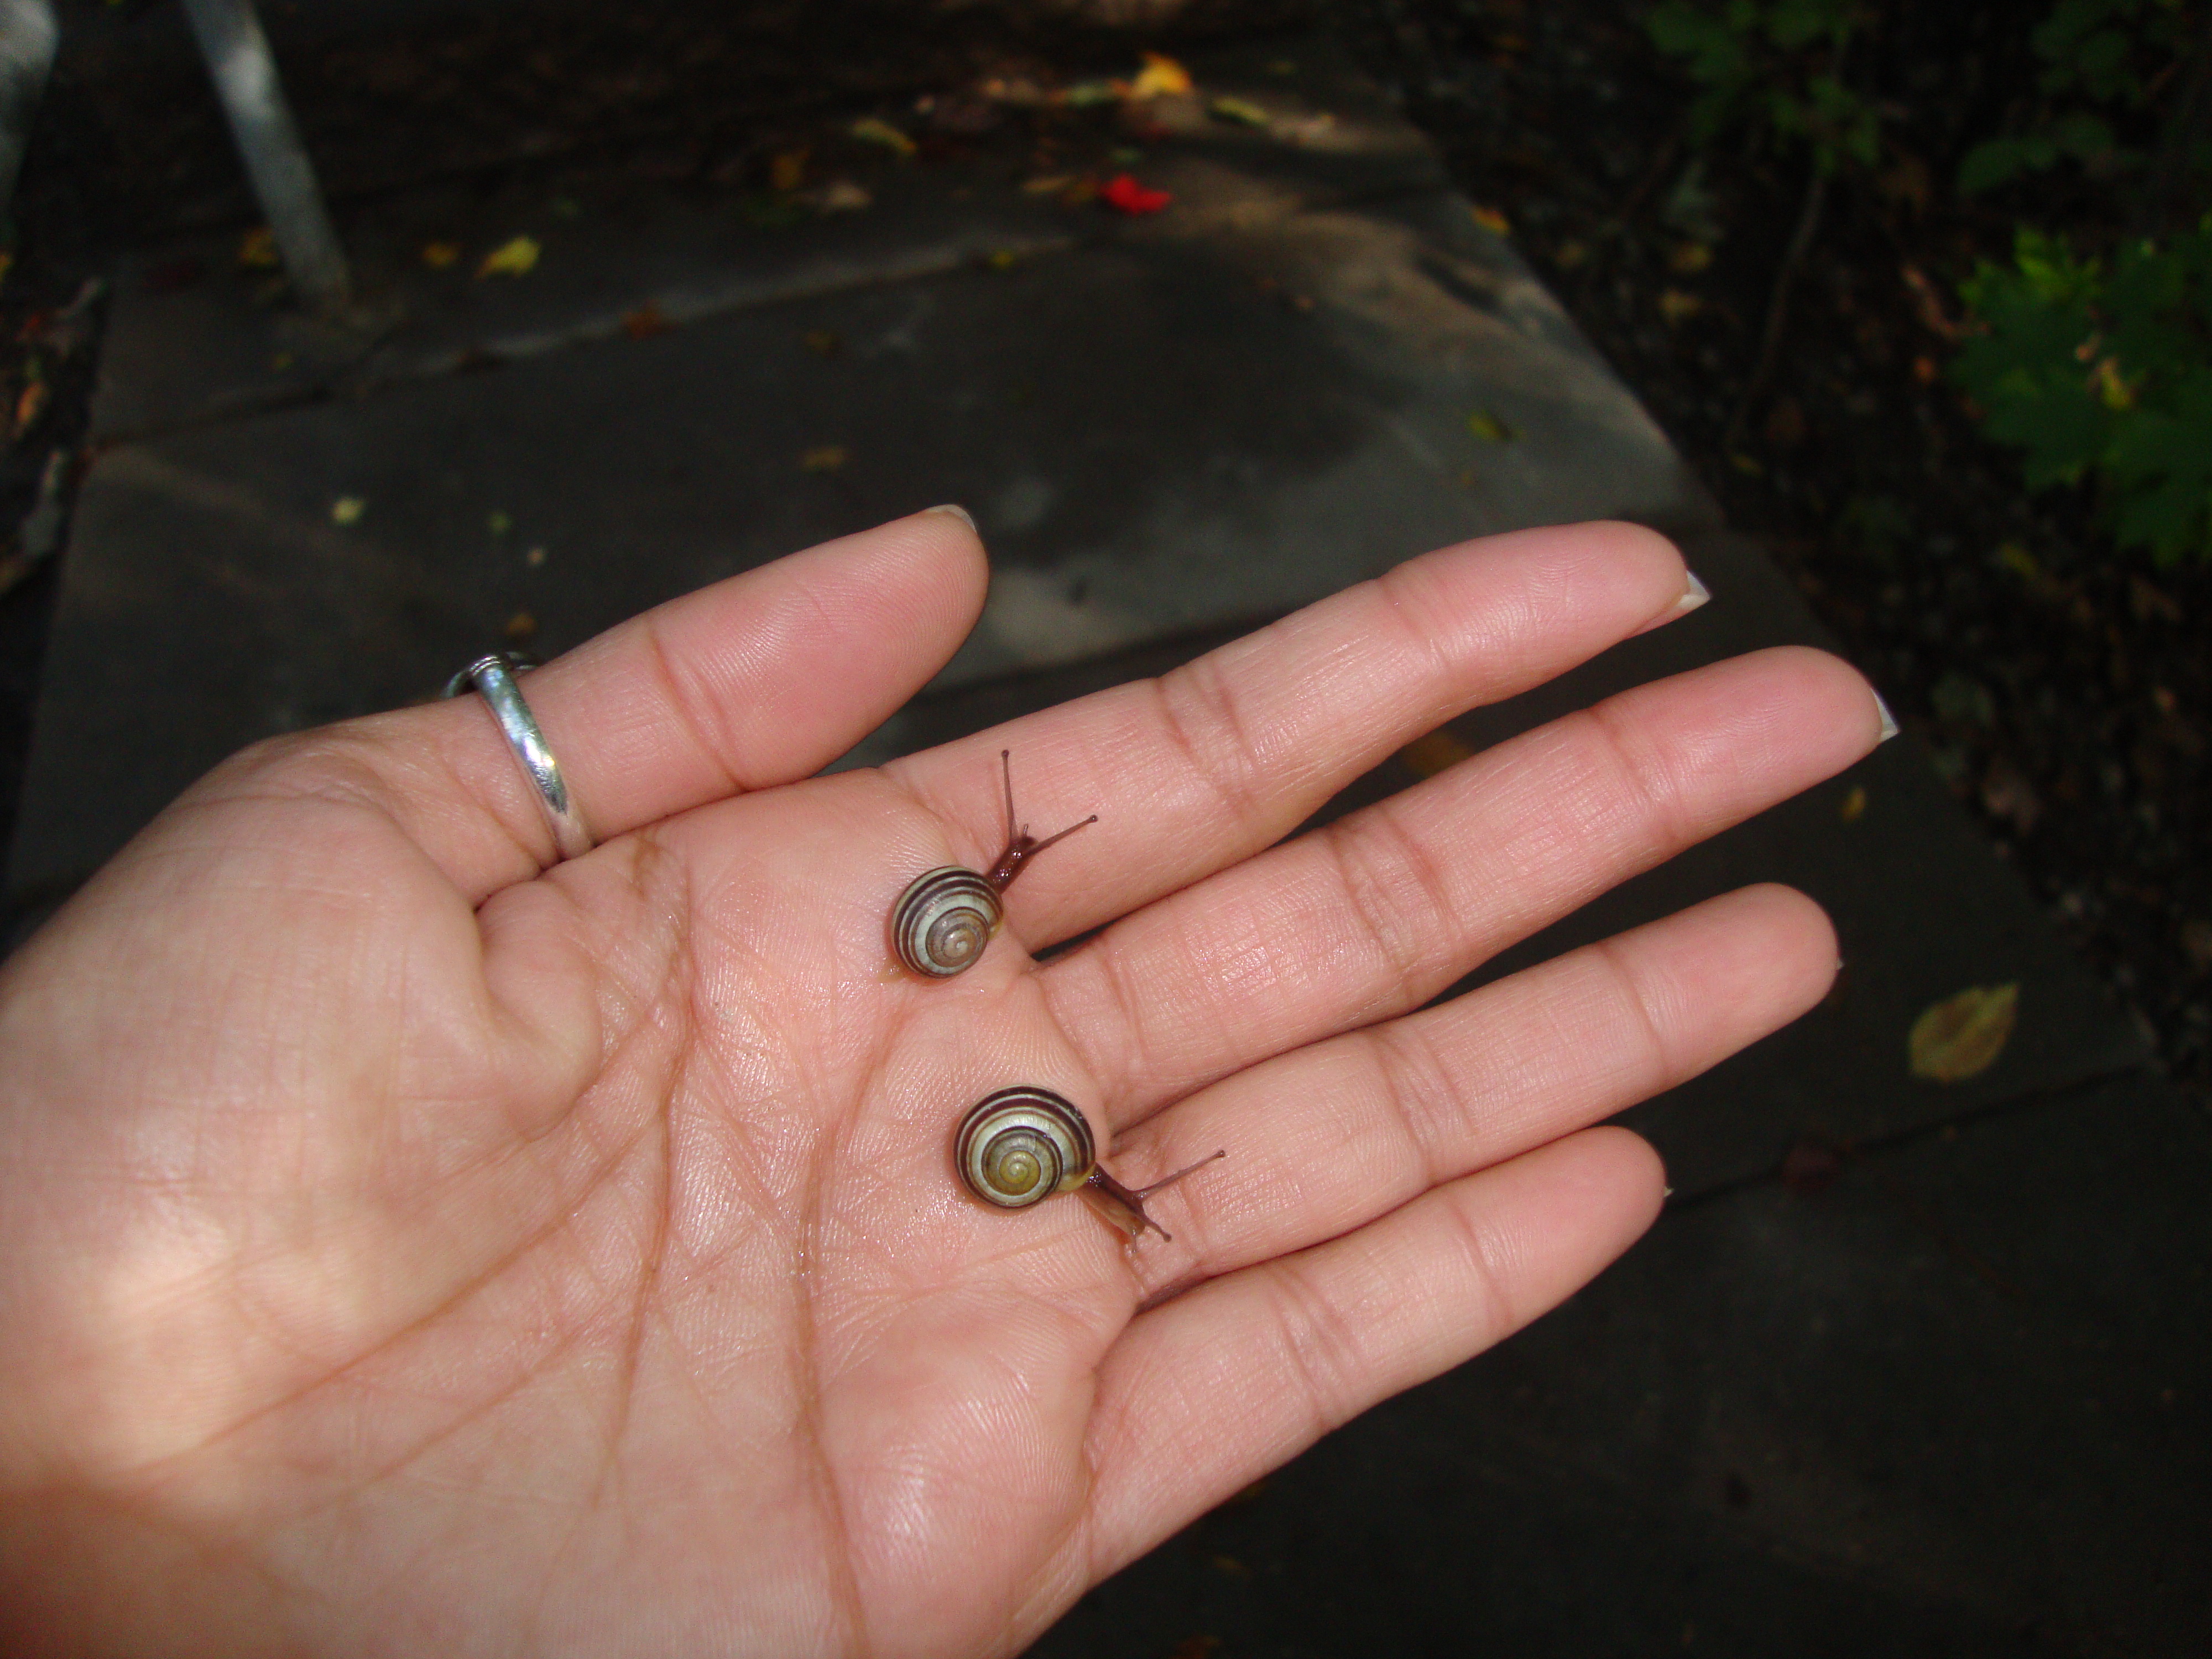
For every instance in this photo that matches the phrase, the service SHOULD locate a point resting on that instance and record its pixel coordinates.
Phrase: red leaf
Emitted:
(1130, 196)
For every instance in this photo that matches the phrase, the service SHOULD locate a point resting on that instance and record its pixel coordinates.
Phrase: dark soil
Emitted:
(2064, 687)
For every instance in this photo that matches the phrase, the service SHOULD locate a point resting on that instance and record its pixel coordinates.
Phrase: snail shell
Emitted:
(1023, 1145)
(944, 920)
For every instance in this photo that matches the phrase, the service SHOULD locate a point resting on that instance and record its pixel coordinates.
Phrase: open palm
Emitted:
(408, 1248)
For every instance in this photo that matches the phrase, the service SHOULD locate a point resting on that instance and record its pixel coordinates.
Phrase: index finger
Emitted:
(1208, 764)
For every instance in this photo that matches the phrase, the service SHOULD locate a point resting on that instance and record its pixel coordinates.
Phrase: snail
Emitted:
(947, 916)
(1020, 1145)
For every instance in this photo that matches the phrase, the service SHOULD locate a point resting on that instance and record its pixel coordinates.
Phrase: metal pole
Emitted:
(237, 54)
(28, 33)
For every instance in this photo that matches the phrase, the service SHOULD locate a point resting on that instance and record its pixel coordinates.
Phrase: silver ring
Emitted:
(494, 675)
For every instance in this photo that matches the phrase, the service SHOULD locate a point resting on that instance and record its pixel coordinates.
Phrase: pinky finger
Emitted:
(1207, 1393)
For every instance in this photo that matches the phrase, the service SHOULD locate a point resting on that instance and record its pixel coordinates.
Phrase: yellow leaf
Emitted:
(1488, 427)
(1962, 1036)
(1493, 220)
(823, 458)
(258, 249)
(870, 131)
(348, 510)
(513, 258)
(439, 255)
(1439, 750)
(1161, 76)
(1855, 805)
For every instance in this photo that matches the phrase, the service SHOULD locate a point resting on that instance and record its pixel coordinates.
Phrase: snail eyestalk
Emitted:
(1021, 846)
(1126, 1208)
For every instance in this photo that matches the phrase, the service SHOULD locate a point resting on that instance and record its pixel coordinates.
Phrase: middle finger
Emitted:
(1374, 915)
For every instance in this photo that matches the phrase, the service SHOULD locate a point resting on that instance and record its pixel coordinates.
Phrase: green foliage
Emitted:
(2104, 374)
(2100, 53)
(1773, 66)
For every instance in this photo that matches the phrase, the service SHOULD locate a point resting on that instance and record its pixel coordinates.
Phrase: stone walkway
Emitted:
(1790, 1422)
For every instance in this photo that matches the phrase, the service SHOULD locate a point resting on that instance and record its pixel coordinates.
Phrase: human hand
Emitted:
(407, 1248)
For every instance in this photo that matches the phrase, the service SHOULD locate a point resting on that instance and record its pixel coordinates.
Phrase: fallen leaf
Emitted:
(1239, 111)
(439, 255)
(1488, 427)
(1961, 1036)
(869, 130)
(511, 259)
(648, 320)
(1161, 77)
(1855, 805)
(256, 249)
(1127, 194)
(1438, 751)
(843, 196)
(348, 510)
(1493, 220)
(1678, 307)
(788, 170)
(29, 405)
(823, 458)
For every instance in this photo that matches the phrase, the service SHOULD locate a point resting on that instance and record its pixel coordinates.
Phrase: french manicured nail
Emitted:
(954, 510)
(1888, 720)
(1693, 596)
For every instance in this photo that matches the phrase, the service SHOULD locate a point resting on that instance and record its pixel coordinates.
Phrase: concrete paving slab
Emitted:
(1155, 438)
(196, 337)
(1952, 1405)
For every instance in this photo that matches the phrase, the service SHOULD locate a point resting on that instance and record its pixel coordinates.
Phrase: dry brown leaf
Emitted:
(1962, 1036)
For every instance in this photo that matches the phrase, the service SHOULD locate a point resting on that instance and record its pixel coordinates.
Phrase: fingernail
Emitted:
(1694, 595)
(954, 510)
(1888, 720)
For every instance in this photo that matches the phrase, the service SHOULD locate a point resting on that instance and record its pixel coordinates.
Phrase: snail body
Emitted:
(1021, 1146)
(946, 916)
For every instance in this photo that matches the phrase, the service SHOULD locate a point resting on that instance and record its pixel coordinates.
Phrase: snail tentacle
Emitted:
(1125, 1207)
(946, 916)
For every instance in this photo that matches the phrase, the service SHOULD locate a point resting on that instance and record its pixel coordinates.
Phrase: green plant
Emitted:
(1773, 65)
(2104, 374)
(2103, 60)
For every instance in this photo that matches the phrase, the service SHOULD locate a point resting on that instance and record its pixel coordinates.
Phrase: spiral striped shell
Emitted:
(1023, 1145)
(944, 920)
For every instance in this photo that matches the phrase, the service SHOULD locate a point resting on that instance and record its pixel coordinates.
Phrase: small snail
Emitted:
(1020, 1145)
(947, 916)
